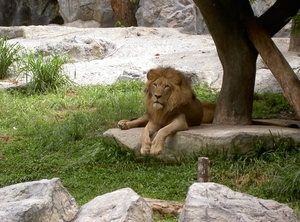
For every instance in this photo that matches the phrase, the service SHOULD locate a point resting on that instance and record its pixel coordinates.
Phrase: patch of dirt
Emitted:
(4, 138)
(287, 115)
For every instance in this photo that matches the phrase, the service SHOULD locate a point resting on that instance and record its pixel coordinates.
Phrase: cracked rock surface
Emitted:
(215, 202)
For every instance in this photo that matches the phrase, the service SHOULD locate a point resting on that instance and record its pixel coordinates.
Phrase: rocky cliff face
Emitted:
(29, 12)
(181, 15)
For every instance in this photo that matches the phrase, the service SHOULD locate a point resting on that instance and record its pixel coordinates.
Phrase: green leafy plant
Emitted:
(119, 24)
(44, 73)
(9, 53)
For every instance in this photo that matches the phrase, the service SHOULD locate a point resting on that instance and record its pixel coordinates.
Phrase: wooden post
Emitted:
(203, 170)
(276, 62)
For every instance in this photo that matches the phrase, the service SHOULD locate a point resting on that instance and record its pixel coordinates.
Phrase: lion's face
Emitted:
(161, 90)
(166, 90)
(168, 93)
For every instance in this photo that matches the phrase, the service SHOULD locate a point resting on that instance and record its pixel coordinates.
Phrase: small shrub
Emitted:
(9, 53)
(44, 73)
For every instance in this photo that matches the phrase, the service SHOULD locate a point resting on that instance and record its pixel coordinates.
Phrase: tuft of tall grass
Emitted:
(9, 53)
(44, 73)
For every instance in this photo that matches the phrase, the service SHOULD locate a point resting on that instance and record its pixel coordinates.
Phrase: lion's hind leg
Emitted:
(128, 124)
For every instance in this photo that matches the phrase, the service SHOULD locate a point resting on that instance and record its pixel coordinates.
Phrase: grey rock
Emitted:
(99, 11)
(123, 205)
(183, 15)
(186, 144)
(44, 200)
(215, 202)
(29, 12)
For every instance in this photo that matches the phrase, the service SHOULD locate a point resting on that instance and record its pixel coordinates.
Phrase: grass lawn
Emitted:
(43, 136)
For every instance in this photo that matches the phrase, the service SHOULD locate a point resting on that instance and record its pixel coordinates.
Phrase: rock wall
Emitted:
(183, 15)
(29, 12)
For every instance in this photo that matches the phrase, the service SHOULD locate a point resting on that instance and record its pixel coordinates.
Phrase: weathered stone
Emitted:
(99, 11)
(80, 48)
(182, 15)
(29, 12)
(214, 202)
(123, 205)
(185, 144)
(44, 200)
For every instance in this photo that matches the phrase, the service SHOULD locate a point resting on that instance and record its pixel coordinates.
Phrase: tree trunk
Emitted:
(124, 11)
(236, 52)
(280, 68)
(237, 55)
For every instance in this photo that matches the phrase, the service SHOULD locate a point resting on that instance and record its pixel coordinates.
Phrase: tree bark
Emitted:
(280, 68)
(278, 15)
(236, 52)
(124, 11)
(237, 55)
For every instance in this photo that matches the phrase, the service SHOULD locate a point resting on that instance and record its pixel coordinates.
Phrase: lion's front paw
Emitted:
(146, 146)
(145, 150)
(123, 124)
(156, 147)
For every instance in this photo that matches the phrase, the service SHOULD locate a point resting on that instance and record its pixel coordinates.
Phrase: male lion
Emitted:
(171, 106)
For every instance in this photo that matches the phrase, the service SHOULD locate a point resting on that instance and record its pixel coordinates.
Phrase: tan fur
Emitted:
(171, 106)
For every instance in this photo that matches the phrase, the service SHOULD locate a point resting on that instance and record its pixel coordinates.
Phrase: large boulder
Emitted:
(215, 202)
(29, 12)
(48, 201)
(123, 205)
(182, 15)
(97, 12)
(44, 200)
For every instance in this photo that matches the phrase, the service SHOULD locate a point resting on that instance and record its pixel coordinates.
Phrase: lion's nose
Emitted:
(157, 96)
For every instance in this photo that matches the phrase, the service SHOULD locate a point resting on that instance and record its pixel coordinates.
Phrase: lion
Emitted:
(171, 106)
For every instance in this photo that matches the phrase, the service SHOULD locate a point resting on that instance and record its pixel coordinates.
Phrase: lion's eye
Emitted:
(155, 85)
(166, 87)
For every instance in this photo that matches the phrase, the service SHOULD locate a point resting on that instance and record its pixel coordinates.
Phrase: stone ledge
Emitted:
(207, 136)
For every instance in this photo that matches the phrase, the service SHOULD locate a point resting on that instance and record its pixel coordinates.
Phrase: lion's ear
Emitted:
(174, 76)
(152, 74)
(177, 78)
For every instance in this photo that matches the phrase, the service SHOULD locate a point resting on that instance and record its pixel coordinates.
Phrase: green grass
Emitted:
(9, 53)
(268, 105)
(59, 134)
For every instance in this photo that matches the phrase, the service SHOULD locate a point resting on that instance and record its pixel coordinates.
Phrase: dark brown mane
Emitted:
(182, 95)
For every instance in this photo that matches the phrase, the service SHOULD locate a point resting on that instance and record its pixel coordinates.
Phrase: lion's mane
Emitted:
(180, 98)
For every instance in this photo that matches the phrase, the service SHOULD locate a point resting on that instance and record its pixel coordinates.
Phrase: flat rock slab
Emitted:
(207, 136)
